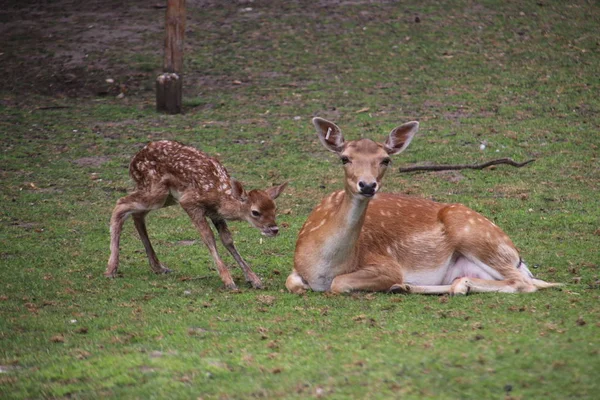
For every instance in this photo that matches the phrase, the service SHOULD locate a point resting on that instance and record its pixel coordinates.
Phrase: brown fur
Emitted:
(167, 173)
(356, 241)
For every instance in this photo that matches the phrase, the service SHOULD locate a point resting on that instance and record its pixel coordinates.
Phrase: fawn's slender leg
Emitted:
(198, 217)
(227, 241)
(135, 203)
(139, 219)
(124, 208)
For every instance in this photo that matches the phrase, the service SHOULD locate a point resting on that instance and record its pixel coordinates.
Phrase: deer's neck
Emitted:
(231, 209)
(347, 222)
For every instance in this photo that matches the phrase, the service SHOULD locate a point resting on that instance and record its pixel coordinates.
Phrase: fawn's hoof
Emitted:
(231, 286)
(162, 270)
(111, 274)
(256, 284)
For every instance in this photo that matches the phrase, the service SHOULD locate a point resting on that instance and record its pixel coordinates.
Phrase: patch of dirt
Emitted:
(70, 48)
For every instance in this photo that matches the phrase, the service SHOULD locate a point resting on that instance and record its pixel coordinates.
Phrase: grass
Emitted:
(522, 78)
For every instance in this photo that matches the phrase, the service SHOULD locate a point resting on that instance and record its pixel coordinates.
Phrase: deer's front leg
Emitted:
(227, 240)
(373, 279)
(198, 218)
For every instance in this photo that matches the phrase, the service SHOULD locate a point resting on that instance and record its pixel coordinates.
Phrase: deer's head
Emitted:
(258, 206)
(364, 160)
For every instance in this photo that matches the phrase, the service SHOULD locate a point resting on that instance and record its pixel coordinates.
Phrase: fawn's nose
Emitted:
(367, 189)
(271, 230)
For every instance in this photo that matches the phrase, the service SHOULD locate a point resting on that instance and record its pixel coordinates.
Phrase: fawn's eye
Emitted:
(386, 162)
(255, 213)
(345, 160)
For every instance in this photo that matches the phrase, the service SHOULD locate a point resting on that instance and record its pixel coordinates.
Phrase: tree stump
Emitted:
(169, 93)
(169, 85)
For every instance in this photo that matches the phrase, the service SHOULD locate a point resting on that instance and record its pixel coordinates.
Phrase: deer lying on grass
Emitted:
(166, 173)
(357, 239)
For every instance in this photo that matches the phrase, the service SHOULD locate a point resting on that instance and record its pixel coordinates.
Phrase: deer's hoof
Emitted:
(400, 288)
(112, 274)
(162, 270)
(256, 284)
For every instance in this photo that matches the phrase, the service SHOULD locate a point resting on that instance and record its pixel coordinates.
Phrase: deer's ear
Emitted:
(400, 137)
(237, 190)
(275, 191)
(329, 134)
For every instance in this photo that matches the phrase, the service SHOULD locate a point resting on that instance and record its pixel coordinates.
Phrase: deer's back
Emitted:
(181, 167)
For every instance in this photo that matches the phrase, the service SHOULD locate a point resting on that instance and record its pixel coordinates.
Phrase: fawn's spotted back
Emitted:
(183, 166)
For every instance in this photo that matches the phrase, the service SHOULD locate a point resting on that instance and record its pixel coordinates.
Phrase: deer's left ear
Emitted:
(237, 190)
(275, 191)
(400, 137)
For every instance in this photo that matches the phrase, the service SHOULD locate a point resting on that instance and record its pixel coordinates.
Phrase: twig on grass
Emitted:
(51, 108)
(465, 166)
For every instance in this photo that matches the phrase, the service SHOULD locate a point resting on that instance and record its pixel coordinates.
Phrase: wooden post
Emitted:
(169, 85)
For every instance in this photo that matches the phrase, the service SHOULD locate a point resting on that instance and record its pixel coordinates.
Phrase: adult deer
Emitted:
(166, 173)
(359, 239)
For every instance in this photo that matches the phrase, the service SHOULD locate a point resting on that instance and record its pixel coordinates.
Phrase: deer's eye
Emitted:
(386, 161)
(255, 213)
(345, 160)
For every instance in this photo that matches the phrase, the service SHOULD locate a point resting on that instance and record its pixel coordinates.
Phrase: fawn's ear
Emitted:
(329, 134)
(400, 137)
(275, 191)
(237, 190)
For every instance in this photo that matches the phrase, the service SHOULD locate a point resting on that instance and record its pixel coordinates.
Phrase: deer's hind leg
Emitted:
(138, 203)
(139, 219)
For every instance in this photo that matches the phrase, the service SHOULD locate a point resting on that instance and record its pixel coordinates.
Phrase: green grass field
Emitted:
(522, 78)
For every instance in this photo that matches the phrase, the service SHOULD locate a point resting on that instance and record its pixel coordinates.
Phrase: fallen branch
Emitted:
(465, 166)
(51, 108)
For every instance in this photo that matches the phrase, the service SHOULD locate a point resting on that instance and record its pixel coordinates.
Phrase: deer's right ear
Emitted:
(329, 134)
(237, 190)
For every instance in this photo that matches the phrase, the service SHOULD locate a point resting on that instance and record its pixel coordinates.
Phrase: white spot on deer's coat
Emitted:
(318, 226)
(389, 250)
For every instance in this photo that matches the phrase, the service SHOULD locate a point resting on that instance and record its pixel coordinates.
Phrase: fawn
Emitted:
(359, 239)
(166, 173)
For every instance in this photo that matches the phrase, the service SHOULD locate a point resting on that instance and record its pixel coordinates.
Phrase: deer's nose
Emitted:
(366, 188)
(270, 230)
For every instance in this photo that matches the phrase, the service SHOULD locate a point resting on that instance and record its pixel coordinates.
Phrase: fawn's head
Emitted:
(258, 206)
(364, 160)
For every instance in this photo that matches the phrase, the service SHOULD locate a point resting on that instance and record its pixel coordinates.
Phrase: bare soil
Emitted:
(73, 49)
